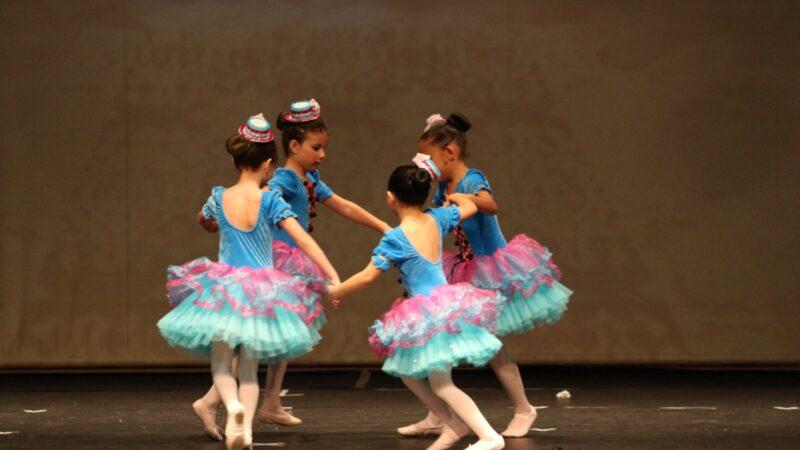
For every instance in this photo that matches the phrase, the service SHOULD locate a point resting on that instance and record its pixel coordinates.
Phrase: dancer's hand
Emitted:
(466, 205)
(209, 225)
(332, 294)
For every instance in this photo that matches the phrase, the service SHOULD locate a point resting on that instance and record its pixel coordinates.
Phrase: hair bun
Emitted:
(280, 122)
(422, 178)
(237, 145)
(459, 122)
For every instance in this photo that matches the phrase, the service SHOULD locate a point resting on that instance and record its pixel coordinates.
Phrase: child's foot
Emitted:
(278, 418)
(248, 439)
(493, 443)
(521, 424)
(447, 439)
(208, 419)
(234, 428)
(428, 425)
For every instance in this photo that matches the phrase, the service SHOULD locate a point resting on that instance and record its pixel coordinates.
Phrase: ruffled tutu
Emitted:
(524, 273)
(261, 310)
(293, 261)
(431, 333)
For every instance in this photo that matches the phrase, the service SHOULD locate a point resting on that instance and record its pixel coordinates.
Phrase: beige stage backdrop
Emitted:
(653, 146)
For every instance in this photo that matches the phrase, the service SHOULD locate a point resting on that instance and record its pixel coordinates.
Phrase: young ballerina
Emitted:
(439, 325)
(241, 304)
(522, 270)
(305, 141)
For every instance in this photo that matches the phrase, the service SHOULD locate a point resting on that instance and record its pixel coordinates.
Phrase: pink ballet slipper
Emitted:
(520, 424)
(447, 439)
(493, 443)
(234, 428)
(419, 429)
(208, 419)
(248, 440)
(283, 418)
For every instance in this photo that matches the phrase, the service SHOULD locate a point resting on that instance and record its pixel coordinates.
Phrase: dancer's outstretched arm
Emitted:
(485, 202)
(356, 282)
(308, 245)
(351, 211)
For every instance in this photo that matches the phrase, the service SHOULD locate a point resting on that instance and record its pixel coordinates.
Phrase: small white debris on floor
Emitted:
(543, 429)
(35, 411)
(268, 444)
(563, 395)
(787, 408)
(6, 433)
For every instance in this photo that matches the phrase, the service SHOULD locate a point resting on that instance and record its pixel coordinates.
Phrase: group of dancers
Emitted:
(263, 299)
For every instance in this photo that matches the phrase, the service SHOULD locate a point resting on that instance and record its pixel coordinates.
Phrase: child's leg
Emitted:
(453, 430)
(429, 425)
(271, 410)
(212, 399)
(436, 406)
(464, 407)
(248, 392)
(271, 401)
(225, 383)
(205, 408)
(507, 372)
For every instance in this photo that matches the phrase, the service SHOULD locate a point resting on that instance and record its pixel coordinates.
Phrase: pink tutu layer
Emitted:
(412, 322)
(250, 291)
(293, 261)
(518, 268)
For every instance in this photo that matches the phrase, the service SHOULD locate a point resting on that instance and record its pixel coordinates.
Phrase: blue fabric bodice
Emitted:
(252, 248)
(483, 231)
(418, 274)
(294, 192)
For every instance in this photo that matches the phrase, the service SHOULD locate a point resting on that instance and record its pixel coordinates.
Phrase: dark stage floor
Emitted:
(610, 408)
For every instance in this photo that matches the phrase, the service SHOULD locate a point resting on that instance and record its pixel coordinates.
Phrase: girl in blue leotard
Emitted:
(439, 325)
(241, 304)
(521, 269)
(305, 138)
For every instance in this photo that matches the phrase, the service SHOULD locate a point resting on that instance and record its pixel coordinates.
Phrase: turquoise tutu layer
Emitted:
(544, 307)
(193, 329)
(261, 310)
(454, 324)
(472, 345)
(319, 322)
(524, 273)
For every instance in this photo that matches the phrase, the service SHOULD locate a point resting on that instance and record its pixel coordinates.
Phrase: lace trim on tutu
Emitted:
(194, 329)
(544, 307)
(473, 345)
(293, 261)
(412, 322)
(519, 268)
(250, 291)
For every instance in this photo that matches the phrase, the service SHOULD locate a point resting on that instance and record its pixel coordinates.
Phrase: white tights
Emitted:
(440, 394)
(246, 392)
